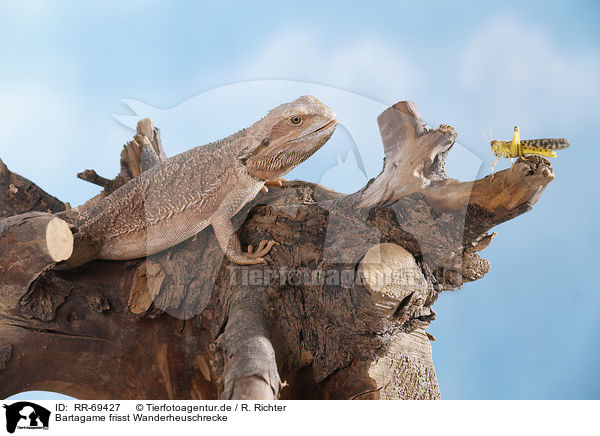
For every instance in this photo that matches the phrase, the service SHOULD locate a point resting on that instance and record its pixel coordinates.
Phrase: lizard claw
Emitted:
(263, 248)
(252, 256)
(276, 182)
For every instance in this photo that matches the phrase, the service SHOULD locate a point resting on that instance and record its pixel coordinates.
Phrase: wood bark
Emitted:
(30, 244)
(340, 310)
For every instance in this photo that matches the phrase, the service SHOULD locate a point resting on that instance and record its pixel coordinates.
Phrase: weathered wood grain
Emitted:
(338, 312)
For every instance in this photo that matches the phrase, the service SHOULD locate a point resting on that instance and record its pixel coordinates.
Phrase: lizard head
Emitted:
(287, 136)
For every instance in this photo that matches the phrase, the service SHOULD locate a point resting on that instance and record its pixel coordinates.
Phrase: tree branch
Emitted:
(250, 369)
(339, 311)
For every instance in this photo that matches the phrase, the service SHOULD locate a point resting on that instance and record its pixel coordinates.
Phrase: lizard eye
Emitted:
(296, 120)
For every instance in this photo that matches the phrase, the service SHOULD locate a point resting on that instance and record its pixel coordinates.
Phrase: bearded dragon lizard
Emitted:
(207, 185)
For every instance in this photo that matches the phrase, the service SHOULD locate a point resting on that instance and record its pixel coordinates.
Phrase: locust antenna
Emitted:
(485, 136)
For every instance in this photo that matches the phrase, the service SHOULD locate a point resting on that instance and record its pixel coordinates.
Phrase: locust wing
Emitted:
(546, 144)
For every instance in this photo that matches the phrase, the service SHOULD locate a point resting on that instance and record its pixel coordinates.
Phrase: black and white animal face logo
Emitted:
(26, 415)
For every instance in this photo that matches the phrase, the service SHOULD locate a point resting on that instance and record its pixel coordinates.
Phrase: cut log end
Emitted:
(30, 244)
(394, 279)
(59, 240)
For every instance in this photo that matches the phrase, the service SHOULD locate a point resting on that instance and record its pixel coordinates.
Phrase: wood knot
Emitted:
(536, 165)
(97, 302)
(305, 195)
(447, 130)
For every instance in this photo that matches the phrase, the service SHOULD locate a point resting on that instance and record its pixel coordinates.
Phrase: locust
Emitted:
(518, 147)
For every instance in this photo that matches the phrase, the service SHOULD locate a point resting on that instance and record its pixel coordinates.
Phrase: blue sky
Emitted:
(530, 328)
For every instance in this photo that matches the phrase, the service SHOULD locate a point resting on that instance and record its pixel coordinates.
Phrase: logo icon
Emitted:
(26, 415)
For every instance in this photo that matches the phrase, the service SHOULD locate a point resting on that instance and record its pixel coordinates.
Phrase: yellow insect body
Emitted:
(518, 148)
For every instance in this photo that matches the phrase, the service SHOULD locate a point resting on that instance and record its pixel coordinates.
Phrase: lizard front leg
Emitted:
(232, 248)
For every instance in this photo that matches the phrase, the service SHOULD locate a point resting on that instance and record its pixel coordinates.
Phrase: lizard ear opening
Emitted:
(248, 151)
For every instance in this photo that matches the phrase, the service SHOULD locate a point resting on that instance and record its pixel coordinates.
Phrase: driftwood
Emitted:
(338, 312)
(30, 244)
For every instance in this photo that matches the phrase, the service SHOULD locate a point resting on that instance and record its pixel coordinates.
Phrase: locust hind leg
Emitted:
(493, 165)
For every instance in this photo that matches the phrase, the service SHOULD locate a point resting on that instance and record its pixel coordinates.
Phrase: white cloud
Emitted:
(34, 121)
(46, 134)
(518, 64)
(511, 73)
(28, 10)
(366, 65)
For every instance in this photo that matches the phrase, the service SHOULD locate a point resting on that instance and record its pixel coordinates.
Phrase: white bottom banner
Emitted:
(299, 417)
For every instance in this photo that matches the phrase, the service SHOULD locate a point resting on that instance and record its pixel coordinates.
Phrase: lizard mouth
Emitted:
(323, 127)
(317, 130)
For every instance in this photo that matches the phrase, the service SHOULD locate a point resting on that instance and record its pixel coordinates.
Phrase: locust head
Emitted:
(287, 136)
(497, 147)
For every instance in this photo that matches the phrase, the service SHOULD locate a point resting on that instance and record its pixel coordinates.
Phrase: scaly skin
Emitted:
(207, 185)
